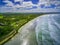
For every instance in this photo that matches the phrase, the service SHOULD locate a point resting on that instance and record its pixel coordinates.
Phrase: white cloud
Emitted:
(18, 0)
(18, 6)
(21, 10)
(28, 4)
(9, 3)
(24, 5)
(46, 3)
(21, 1)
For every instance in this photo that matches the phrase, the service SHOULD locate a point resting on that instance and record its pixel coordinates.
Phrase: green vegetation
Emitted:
(13, 21)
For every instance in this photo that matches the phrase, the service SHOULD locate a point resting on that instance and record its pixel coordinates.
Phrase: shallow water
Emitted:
(48, 30)
(43, 30)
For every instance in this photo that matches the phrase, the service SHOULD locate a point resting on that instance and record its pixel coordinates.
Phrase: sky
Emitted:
(29, 5)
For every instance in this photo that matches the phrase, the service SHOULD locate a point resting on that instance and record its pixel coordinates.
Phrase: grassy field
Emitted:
(13, 21)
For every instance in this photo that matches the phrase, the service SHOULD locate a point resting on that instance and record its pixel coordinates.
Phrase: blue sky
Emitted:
(27, 5)
(3, 3)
